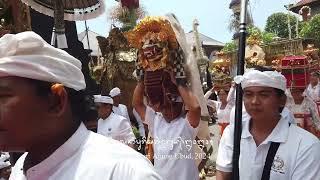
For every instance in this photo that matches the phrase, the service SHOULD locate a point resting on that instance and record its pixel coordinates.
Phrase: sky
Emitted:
(213, 15)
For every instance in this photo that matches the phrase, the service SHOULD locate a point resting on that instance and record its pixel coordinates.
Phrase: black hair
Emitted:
(264, 68)
(82, 104)
(279, 92)
(213, 96)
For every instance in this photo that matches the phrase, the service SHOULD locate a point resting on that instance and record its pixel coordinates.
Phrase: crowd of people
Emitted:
(43, 106)
(302, 104)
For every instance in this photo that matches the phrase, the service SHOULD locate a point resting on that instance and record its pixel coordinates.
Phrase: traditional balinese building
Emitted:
(209, 45)
(314, 6)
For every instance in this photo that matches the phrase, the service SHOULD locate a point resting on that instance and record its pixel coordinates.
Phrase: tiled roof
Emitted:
(205, 40)
(295, 8)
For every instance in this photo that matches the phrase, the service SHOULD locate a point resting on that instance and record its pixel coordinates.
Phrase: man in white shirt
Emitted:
(118, 108)
(295, 151)
(43, 104)
(173, 131)
(111, 124)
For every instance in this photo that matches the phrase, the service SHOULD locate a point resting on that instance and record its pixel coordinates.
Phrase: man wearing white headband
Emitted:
(111, 124)
(42, 109)
(271, 147)
(118, 108)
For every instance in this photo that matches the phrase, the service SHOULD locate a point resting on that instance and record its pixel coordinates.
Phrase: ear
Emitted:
(58, 100)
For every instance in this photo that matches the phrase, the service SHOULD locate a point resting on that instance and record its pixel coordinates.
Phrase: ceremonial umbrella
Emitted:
(71, 10)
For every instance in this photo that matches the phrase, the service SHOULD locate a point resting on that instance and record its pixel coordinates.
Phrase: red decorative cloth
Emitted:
(296, 69)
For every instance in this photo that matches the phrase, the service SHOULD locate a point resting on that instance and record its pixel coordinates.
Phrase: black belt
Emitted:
(269, 160)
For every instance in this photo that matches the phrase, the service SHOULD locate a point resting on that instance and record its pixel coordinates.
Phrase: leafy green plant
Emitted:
(277, 23)
(312, 29)
(258, 36)
(268, 37)
(229, 47)
(135, 131)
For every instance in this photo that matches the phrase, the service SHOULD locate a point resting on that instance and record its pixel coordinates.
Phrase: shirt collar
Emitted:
(278, 134)
(62, 153)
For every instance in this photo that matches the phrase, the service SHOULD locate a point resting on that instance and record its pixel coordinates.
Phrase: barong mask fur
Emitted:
(159, 57)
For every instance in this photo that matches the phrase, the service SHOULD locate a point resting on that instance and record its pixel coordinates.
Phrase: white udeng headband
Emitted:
(27, 55)
(115, 92)
(103, 99)
(253, 77)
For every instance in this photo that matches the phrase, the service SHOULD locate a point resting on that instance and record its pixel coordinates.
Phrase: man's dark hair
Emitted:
(82, 104)
(264, 68)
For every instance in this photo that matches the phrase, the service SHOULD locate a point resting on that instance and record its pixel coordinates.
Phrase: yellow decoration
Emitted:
(154, 38)
(220, 69)
(152, 26)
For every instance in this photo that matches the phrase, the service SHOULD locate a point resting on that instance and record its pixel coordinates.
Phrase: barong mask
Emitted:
(154, 38)
(159, 56)
(163, 93)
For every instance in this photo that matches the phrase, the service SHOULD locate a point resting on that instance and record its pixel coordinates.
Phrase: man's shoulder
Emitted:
(101, 147)
(109, 153)
(302, 138)
(122, 106)
(118, 117)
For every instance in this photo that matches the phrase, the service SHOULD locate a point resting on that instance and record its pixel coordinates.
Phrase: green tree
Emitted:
(267, 37)
(277, 23)
(312, 29)
(254, 31)
(261, 36)
(229, 47)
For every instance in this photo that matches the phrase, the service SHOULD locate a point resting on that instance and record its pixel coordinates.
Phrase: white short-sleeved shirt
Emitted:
(122, 111)
(174, 158)
(223, 114)
(117, 127)
(89, 156)
(297, 158)
(313, 92)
